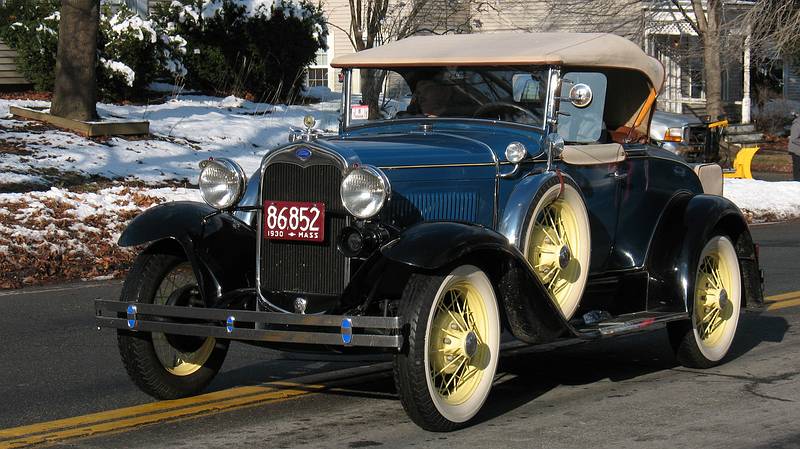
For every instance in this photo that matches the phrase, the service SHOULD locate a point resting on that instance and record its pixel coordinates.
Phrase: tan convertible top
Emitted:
(568, 49)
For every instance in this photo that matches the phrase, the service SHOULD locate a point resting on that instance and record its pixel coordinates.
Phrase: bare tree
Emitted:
(75, 92)
(373, 22)
(706, 22)
(774, 27)
(718, 40)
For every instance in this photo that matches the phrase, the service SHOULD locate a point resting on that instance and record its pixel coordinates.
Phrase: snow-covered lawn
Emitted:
(764, 201)
(57, 234)
(185, 130)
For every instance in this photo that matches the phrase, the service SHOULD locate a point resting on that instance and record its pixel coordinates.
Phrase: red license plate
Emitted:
(292, 220)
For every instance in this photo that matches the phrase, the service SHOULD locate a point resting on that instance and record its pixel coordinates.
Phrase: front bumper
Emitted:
(277, 327)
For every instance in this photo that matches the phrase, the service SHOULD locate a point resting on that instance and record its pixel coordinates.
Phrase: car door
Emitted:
(596, 169)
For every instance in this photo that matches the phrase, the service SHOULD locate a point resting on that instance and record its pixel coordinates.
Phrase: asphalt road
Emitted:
(617, 393)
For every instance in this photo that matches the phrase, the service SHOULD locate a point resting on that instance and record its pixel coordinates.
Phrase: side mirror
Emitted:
(580, 95)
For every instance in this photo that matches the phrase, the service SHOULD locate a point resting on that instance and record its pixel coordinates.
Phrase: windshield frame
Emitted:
(347, 95)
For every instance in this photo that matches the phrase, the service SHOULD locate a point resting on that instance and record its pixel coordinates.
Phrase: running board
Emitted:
(629, 324)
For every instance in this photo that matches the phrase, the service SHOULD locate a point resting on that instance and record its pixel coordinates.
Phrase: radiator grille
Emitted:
(313, 268)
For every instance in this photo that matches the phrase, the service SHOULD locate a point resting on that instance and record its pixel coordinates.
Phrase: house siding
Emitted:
(623, 17)
(791, 82)
(9, 75)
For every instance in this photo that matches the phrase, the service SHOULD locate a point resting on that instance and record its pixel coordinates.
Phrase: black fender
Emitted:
(686, 225)
(529, 313)
(220, 247)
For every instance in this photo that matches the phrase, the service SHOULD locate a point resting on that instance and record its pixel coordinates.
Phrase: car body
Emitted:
(461, 216)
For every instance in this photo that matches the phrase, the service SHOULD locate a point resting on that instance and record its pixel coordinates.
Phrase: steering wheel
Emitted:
(499, 106)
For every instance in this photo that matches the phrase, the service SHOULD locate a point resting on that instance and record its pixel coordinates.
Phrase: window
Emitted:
(451, 92)
(317, 73)
(317, 77)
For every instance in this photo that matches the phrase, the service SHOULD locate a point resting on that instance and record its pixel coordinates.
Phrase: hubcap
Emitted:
(564, 257)
(553, 242)
(180, 356)
(713, 307)
(457, 350)
(471, 344)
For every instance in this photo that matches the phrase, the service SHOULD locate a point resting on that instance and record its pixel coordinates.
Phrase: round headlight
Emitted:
(222, 182)
(364, 191)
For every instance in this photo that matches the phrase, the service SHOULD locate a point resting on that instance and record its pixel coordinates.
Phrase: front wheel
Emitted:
(167, 366)
(446, 371)
(703, 342)
(558, 243)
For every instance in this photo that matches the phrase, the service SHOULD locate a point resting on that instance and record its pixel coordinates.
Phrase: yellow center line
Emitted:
(782, 297)
(774, 305)
(125, 418)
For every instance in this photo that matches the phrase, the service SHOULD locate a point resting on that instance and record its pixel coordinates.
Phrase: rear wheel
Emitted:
(558, 243)
(717, 303)
(167, 366)
(447, 370)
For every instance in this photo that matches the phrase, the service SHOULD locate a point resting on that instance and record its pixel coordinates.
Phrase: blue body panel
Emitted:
(452, 171)
(448, 171)
(446, 174)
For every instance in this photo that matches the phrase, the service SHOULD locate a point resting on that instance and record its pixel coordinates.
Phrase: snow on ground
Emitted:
(61, 234)
(764, 201)
(57, 234)
(185, 130)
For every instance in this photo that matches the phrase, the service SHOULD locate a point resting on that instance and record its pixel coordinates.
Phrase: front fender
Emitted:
(516, 215)
(220, 248)
(690, 221)
(529, 312)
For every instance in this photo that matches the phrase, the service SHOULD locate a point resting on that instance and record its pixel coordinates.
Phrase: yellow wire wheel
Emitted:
(179, 362)
(558, 245)
(446, 368)
(463, 343)
(717, 298)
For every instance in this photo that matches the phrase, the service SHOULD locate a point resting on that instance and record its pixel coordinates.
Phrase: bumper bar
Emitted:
(333, 330)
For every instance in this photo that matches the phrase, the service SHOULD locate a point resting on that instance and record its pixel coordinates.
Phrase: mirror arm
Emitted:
(510, 174)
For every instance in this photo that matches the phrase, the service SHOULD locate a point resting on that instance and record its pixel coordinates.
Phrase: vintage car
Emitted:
(499, 187)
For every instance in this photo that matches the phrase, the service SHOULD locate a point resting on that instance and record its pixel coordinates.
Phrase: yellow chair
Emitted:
(741, 164)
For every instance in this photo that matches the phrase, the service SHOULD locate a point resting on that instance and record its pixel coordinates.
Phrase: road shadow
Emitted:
(755, 328)
(523, 378)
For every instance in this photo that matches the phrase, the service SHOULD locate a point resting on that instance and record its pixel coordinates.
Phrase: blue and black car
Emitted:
(492, 188)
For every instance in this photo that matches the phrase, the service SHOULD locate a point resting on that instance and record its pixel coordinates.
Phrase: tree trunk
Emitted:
(707, 27)
(371, 87)
(713, 75)
(75, 93)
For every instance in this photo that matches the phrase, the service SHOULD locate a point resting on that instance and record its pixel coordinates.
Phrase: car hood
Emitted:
(453, 146)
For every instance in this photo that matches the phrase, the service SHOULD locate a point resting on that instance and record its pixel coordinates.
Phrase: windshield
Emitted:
(507, 94)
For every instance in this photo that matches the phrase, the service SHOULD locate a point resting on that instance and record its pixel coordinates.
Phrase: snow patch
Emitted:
(765, 201)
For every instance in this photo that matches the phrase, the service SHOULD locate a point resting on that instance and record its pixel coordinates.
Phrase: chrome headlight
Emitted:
(364, 191)
(222, 182)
